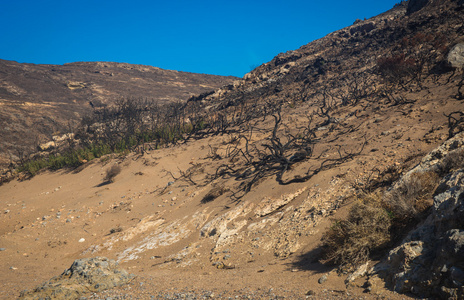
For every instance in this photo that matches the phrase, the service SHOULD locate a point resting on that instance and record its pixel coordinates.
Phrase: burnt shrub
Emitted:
(396, 68)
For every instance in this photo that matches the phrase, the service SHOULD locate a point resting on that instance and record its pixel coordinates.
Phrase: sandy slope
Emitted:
(154, 223)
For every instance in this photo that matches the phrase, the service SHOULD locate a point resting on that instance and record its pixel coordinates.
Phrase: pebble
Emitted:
(81, 240)
(322, 279)
(2, 249)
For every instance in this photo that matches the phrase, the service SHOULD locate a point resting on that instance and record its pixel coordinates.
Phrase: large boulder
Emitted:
(84, 275)
(456, 56)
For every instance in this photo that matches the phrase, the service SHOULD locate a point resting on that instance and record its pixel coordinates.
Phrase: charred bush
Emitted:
(397, 68)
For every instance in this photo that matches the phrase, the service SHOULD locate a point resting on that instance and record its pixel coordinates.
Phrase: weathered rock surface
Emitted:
(430, 261)
(84, 275)
(456, 56)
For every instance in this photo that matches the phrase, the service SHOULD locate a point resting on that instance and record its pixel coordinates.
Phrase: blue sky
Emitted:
(212, 37)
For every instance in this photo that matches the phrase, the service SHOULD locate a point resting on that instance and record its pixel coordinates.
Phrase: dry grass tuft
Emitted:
(350, 242)
(111, 173)
(413, 195)
(378, 220)
(452, 161)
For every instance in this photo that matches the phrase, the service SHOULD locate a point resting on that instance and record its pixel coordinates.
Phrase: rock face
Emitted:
(430, 261)
(84, 275)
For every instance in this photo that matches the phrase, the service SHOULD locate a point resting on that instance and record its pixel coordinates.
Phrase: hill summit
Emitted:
(42, 101)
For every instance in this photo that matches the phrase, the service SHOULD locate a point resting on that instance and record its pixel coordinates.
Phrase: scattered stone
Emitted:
(359, 272)
(221, 265)
(323, 279)
(310, 293)
(2, 249)
(81, 240)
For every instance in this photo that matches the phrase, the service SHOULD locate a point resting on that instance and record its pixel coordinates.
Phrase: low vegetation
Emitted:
(350, 242)
(379, 219)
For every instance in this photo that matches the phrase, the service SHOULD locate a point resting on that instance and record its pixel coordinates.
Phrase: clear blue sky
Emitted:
(213, 37)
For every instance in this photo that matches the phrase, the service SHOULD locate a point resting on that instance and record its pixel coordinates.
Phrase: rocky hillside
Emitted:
(331, 172)
(40, 101)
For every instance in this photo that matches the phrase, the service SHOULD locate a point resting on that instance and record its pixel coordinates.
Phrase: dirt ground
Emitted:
(150, 219)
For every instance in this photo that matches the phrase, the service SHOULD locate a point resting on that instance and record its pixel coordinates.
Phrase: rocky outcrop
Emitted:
(364, 28)
(430, 260)
(84, 275)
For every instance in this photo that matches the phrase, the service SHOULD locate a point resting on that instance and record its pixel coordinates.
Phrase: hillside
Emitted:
(360, 130)
(40, 101)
